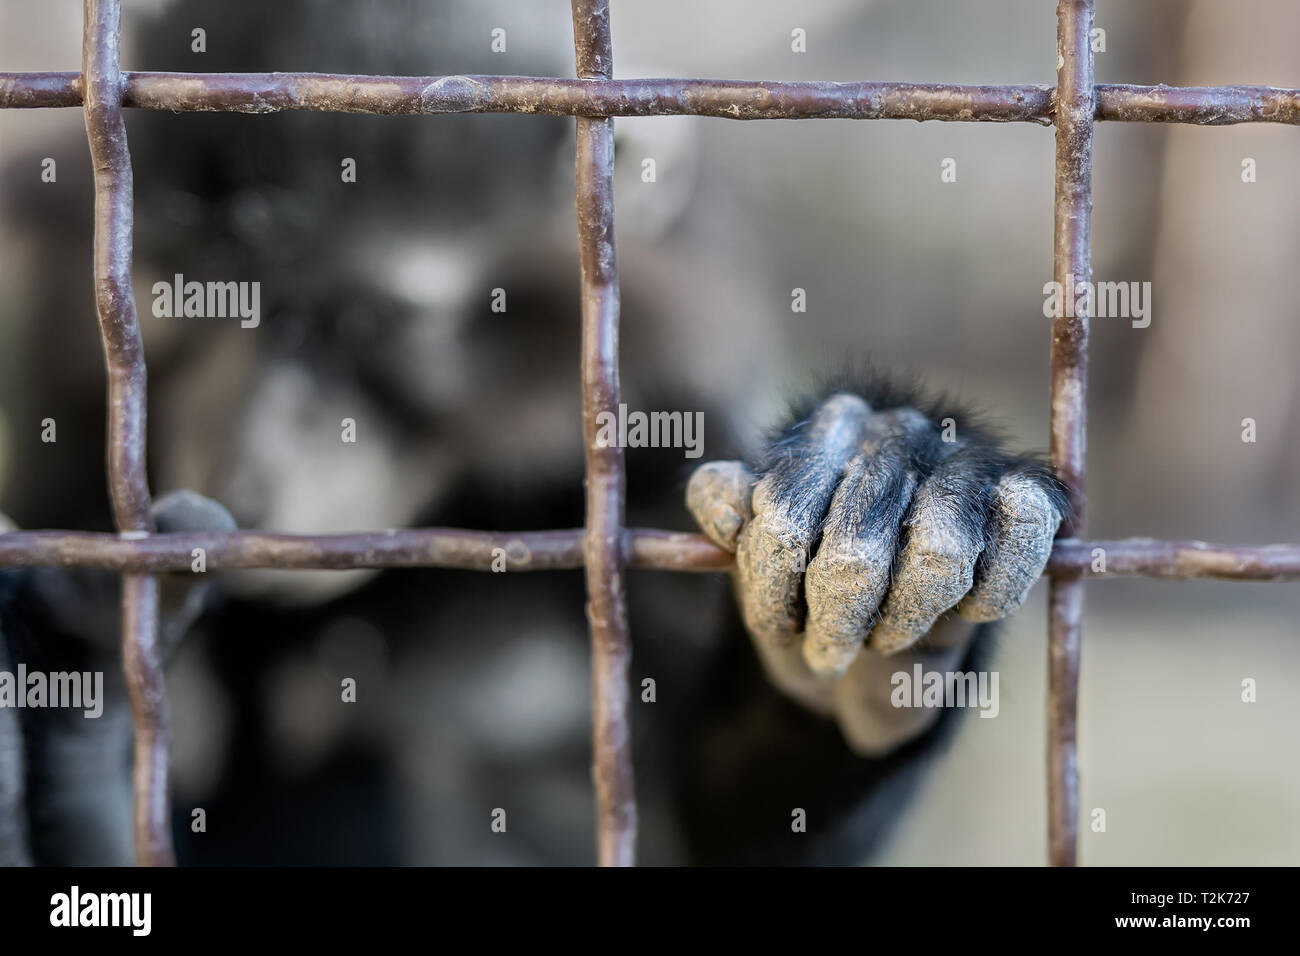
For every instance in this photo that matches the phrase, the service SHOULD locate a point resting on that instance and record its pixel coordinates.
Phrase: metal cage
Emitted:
(605, 547)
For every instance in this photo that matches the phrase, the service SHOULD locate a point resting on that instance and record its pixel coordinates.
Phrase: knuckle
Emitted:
(852, 564)
(1026, 503)
(941, 565)
(773, 546)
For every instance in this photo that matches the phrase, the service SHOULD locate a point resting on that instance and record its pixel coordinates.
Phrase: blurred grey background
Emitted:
(946, 279)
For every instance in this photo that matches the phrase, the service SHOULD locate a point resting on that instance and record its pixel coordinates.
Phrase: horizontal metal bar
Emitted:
(411, 548)
(1175, 560)
(1197, 105)
(270, 92)
(726, 99)
(563, 549)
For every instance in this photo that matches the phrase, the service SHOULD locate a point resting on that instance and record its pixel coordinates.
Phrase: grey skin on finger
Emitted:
(850, 574)
(789, 503)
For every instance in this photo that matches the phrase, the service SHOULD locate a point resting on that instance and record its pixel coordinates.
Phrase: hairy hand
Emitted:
(868, 520)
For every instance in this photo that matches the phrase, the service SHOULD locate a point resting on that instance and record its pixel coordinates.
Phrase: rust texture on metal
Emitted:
(124, 355)
(611, 650)
(645, 549)
(147, 691)
(654, 96)
(1175, 560)
(1072, 263)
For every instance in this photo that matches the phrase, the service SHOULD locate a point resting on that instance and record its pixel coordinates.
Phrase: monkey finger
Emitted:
(789, 503)
(185, 510)
(936, 567)
(718, 498)
(1026, 514)
(182, 596)
(849, 576)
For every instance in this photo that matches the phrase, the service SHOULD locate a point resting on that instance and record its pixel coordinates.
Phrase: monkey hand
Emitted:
(866, 522)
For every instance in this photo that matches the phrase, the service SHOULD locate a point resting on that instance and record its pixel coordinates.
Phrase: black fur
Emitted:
(755, 755)
(965, 476)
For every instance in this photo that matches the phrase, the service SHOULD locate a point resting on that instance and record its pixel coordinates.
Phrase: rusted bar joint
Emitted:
(724, 99)
(616, 814)
(124, 355)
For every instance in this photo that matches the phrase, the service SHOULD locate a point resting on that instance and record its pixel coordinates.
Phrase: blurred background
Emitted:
(942, 278)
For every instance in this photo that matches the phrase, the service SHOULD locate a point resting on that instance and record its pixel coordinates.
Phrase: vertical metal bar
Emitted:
(124, 355)
(604, 552)
(147, 692)
(1075, 110)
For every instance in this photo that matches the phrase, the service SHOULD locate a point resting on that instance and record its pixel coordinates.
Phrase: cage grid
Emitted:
(604, 546)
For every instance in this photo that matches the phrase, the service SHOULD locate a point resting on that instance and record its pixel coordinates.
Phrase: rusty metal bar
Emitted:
(1075, 109)
(1175, 560)
(146, 689)
(124, 355)
(412, 548)
(646, 549)
(724, 99)
(589, 96)
(1197, 105)
(611, 649)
